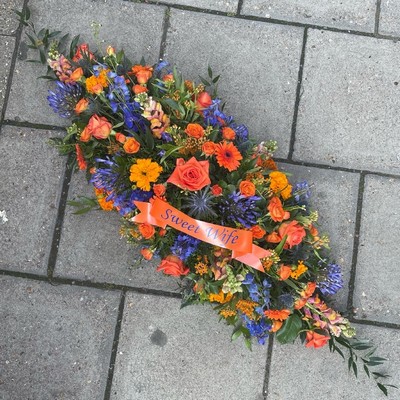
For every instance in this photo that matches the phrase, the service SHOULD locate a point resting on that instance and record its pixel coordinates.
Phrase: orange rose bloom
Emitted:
(120, 137)
(139, 89)
(172, 265)
(146, 230)
(273, 238)
(81, 105)
(247, 188)
(190, 175)
(203, 101)
(159, 189)
(228, 133)
(85, 135)
(316, 340)
(294, 231)
(77, 74)
(276, 211)
(168, 77)
(257, 231)
(208, 148)
(162, 232)
(216, 190)
(284, 272)
(146, 253)
(142, 72)
(131, 145)
(195, 130)
(99, 127)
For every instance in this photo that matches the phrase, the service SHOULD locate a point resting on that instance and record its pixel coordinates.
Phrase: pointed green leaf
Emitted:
(290, 329)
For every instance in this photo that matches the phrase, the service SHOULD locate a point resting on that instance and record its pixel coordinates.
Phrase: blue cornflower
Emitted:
(330, 279)
(259, 329)
(200, 204)
(239, 209)
(184, 246)
(64, 98)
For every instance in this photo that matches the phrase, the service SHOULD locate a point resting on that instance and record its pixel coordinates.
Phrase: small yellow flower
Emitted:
(300, 270)
(280, 185)
(144, 172)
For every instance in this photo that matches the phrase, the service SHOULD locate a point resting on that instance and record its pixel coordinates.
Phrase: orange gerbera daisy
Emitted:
(228, 156)
(279, 315)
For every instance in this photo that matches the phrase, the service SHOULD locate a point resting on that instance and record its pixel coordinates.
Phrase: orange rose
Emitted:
(146, 253)
(120, 137)
(228, 133)
(139, 89)
(131, 145)
(195, 130)
(99, 127)
(257, 231)
(146, 230)
(85, 135)
(247, 188)
(203, 101)
(208, 148)
(77, 74)
(162, 232)
(284, 272)
(216, 190)
(295, 233)
(273, 238)
(316, 340)
(190, 175)
(81, 105)
(168, 77)
(276, 211)
(172, 265)
(159, 189)
(142, 72)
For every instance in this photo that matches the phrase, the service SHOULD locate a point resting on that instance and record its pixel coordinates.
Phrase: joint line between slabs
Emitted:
(268, 367)
(165, 26)
(114, 349)
(239, 7)
(13, 62)
(59, 219)
(356, 242)
(298, 94)
(377, 16)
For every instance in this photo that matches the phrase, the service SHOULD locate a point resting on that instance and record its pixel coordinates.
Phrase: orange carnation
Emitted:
(195, 130)
(131, 145)
(228, 156)
(228, 133)
(247, 188)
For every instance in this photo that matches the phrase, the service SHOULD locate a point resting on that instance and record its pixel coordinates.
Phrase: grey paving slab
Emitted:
(55, 341)
(91, 248)
(169, 353)
(334, 196)
(7, 44)
(301, 373)
(377, 295)
(229, 6)
(8, 19)
(348, 109)
(30, 175)
(358, 15)
(389, 21)
(258, 64)
(137, 38)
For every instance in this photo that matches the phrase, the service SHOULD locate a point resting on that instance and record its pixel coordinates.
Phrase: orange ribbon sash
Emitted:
(161, 214)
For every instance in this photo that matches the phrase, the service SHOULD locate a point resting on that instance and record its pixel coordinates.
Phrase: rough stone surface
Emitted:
(327, 373)
(389, 22)
(8, 19)
(28, 196)
(258, 64)
(348, 108)
(229, 6)
(92, 249)
(334, 196)
(377, 294)
(138, 39)
(358, 15)
(170, 353)
(6, 50)
(55, 340)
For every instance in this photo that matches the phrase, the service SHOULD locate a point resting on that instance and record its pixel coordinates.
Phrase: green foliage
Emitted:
(84, 204)
(290, 329)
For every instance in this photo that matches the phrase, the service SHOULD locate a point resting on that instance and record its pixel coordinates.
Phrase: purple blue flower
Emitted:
(64, 98)
(184, 246)
(330, 279)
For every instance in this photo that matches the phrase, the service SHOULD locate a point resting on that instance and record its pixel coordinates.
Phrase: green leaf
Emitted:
(383, 388)
(290, 329)
(73, 45)
(367, 371)
(209, 72)
(279, 248)
(354, 366)
(236, 334)
(204, 81)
